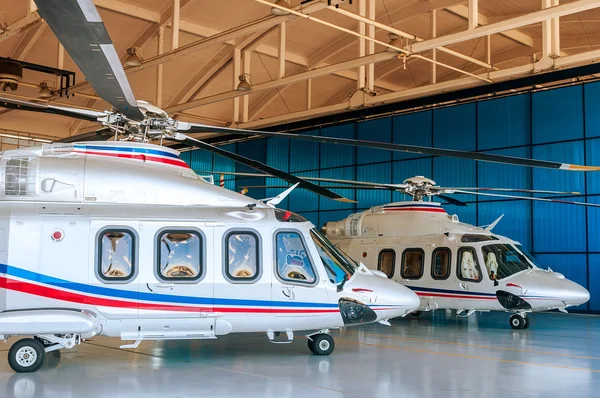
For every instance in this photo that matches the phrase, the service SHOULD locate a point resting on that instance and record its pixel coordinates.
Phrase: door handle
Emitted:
(464, 286)
(288, 292)
(165, 285)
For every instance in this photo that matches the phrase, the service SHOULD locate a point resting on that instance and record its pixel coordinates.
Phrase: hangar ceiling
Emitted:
(330, 61)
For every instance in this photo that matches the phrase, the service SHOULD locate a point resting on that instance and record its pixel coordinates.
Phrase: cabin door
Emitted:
(469, 278)
(177, 273)
(297, 290)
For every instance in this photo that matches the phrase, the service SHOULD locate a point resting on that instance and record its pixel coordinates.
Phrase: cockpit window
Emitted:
(502, 260)
(336, 263)
(528, 255)
(293, 263)
(472, 238)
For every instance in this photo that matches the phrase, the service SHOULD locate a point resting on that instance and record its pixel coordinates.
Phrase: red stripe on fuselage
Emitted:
(138, 156)
(454, 296)
(433, 209)
(57, 294)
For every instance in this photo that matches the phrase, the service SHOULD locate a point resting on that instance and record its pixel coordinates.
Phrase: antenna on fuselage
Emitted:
(277, 199)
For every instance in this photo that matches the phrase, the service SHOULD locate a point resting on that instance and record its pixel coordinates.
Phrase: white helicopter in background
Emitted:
(450, 264)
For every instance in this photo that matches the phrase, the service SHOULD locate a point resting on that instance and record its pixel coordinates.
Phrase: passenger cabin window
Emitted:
(116, 255)
(412, 264)
(386, 262)
(468, 266)
(440, 263)
(179, 255)
(293, 263)
(242, 256)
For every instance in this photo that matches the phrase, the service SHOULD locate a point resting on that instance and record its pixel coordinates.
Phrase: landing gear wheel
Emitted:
(517, 322)
(321, 344)
(26, 355)
(527, 323)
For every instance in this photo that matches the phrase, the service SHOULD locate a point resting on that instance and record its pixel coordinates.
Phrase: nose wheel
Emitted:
(321, 343)
(519, 321)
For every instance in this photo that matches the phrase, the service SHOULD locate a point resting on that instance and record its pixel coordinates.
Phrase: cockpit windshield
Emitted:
(528, 255)
(502, 260)
(337, 264)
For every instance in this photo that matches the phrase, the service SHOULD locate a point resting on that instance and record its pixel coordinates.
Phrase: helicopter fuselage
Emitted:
(450, 264)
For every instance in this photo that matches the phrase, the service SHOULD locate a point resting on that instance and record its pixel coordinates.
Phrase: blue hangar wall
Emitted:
(562, 124)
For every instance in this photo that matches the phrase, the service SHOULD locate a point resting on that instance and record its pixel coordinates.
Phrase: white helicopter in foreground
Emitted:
(450, 264)
(122, 239)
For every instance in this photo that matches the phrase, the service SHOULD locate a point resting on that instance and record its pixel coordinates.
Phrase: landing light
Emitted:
(45, 92)
(133, 59)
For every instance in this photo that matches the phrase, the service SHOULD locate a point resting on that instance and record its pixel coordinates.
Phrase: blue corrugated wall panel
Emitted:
(278, 157)
(594, 279)
(376, 173)
(572, 266)
(504, 122)
(412, 129)
(313, 217)
(344, 173)
(466, 214)
(592, 157)
(593, 224)
(497, 175)
(304, 155)
(333, 155)
(222, 164)
(256, 150)
(563, 180)
(557, 115)
(592, 105)
(516, 223)
(379, 130)
(454, 127)
(452, 172)
(558, 227)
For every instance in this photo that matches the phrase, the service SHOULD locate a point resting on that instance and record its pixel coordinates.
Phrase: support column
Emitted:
(309, 94)
(175, 24)
(473, 14)
(371, 46)
(546, 32)
(237, 57)
(488, 49)
(246, 98)
(159, 68)
(281, 50)
(555, 32)
(433, 29)
(60, 63)
(362, 11)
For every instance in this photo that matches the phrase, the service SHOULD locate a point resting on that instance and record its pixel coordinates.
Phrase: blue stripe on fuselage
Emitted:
(128, 149)
(133, 295)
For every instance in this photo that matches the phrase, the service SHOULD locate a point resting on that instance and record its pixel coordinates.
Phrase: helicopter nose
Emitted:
(394, 300)
(577, 295)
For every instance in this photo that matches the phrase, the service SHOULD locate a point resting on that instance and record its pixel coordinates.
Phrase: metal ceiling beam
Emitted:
(326, 70)
(23, 24)
(505, 75)
(509, 24)
(27, 41)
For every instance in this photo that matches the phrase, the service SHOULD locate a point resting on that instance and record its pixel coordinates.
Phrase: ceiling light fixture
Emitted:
(244, 84)
(133, 59)
(45, 92)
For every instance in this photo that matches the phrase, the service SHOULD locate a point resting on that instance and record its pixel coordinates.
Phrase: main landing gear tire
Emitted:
(26, 355)
(321, 344)
(527, 323)
(518, 322)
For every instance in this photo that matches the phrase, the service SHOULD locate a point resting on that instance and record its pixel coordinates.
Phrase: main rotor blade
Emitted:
(508, 190)
(79, 28)
(495, 195)
(452, 200)
(91, 116)
(327, 186)
(394, 187)
(482, 157)
(98, 135)
(263, 167)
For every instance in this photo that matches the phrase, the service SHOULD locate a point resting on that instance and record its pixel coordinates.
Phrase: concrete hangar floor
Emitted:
(434, 355)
